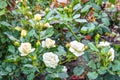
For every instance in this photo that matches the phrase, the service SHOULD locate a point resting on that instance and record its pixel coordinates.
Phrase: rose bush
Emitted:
(59, 39)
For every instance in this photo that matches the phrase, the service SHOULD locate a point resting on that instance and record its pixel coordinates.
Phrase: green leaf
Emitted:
(96, 6)
(105, 50)
(48, 77)
(76, 16)
(28, 65)
(92, 65)
(77, 7)
(84, 29)
(93, 47)
(61, 51)
(62, 75)
(47, 33)
(105, 29)
(116, 65)
(102, 70)
(3, 4)
(11, 37)
(5, 23)
(86, 8)
(112, 1)
(106, 21)
(12, 58)
(30, 76)
(78, 70)
(49, 14)
(90, 27)
(2, 12)
(81, 20)
(11, 48)
(92, 75)
(31, 33)
(8, 68)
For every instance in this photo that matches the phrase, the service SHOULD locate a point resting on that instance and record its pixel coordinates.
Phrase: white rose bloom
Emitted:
(111, 53)
(50, 59)
(64, 69)
(103, 44)
(25, 49)
(77, 48)
(48, 43)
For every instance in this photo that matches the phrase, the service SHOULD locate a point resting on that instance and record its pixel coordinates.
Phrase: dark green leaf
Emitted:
(3, 4)
(92, 75)
(93, 47)
(92, 64)
(86, 8)
(78, 70)
(76, 16)
(81, 20)
(102, 70)
(30, 76)
(11, 37)
(77, 7)
(11, 48)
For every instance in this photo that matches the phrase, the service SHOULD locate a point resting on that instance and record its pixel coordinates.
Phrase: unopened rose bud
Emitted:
(65, 8)
(47, 25)
(68, 45)
(23, 33)
(16, 43)
(34, 57)
(86, 47)
(47, 10)
(98, 35)
(70, 10)
(18, 28)
(38, 43)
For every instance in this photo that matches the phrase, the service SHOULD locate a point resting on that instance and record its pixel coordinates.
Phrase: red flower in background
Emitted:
(75, 77)
(11, 6)
(88, 37)
(84, 1)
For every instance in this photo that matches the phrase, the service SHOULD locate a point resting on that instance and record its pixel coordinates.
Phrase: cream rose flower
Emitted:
(103, 44)
(112, 54)
(48, 43)
(77, 48)
(37, 17)
(50, 59)
(25, 49)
